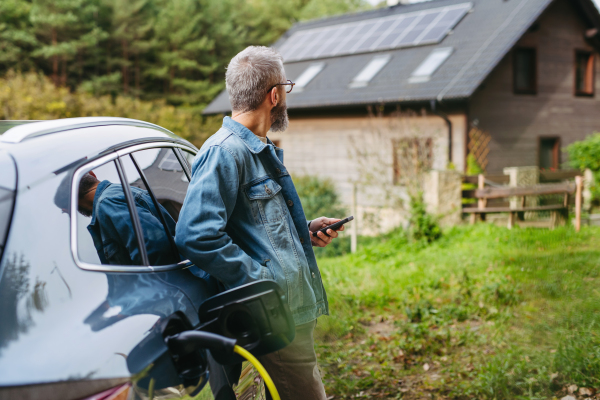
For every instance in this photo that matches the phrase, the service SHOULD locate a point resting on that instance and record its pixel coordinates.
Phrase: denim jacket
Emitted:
(242, 220)
(112, 230)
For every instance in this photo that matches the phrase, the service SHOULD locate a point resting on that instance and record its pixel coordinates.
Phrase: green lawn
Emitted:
(482, 313)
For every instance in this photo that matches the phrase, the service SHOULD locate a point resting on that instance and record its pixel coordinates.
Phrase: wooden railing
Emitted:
(558, 211)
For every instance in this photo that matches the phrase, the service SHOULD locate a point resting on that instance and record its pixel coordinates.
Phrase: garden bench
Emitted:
(558, 211)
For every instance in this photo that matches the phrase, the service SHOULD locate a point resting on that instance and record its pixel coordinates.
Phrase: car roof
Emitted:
(50, 147)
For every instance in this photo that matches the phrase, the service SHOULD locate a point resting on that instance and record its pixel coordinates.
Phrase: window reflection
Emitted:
(166, 177)
(106, 233)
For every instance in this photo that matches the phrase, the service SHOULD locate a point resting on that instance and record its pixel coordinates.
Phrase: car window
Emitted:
(105, 231)
(188, 158)
(157, 224)
(166, 177)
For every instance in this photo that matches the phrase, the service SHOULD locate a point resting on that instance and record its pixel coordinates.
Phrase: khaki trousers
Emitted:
(294, 368)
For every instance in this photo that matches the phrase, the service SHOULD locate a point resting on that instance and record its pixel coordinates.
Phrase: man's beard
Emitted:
(279, 118)
(84, 212)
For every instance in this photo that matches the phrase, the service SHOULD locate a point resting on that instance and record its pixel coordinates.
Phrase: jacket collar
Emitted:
(251, 141)
(99, 189)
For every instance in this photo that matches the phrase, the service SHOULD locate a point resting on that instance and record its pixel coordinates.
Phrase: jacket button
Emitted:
(290, 203)
(278, 171)
(301, 240)
(313, 275)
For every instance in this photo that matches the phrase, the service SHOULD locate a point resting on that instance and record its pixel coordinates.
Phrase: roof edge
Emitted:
(24, 132)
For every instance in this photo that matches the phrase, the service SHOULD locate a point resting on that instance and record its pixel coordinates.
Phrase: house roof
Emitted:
(479, 41)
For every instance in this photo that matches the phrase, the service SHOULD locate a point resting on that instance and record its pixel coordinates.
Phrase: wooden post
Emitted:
(354, 227)
(578, 195)
(511, 220)
(481, 203)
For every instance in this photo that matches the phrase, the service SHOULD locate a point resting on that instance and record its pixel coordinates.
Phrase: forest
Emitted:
(175, 51)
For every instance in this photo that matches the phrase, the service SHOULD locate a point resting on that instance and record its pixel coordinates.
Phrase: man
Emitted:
(242, 220)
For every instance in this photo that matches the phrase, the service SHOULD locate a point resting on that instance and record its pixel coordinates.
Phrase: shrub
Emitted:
(473, 167)
(423, 226)
(586, 154)
(33, 96)
(319, 198)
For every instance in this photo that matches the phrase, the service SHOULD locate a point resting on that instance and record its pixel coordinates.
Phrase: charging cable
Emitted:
(261, 370)
(185, 345)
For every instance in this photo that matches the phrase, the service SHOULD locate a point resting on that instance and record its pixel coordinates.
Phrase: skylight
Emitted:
(307, 76)
(369, 71)
(430, 65)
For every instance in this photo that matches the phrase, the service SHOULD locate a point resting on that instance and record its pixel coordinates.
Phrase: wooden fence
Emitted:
(496, 190)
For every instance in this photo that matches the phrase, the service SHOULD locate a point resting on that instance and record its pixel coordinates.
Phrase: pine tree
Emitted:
(17, 40)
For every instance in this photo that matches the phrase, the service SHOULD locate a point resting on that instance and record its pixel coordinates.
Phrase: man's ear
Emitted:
(274, 96)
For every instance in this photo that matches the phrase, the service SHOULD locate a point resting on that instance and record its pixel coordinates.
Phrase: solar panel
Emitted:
(400, 30)
(170, 162)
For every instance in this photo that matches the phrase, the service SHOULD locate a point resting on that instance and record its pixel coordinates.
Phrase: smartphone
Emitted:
(334, 227)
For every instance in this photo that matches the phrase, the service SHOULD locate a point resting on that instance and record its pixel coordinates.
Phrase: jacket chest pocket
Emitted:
(265, 200)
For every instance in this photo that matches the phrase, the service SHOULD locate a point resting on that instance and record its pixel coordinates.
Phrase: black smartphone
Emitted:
(334, 227)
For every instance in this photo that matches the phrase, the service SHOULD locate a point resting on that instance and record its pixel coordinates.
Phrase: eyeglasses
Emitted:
(289, 83)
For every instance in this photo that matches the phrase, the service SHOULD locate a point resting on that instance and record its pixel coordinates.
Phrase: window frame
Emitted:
(577, 92)
(115, 158)
(534, 89)
(396, 171)
(555, 151)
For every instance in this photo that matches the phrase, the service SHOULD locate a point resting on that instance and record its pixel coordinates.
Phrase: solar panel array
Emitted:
(376, 34)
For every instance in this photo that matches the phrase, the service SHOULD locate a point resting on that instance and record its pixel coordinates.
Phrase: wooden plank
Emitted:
(558, 176)
(476, 210)
(499, 192)
(499, 179)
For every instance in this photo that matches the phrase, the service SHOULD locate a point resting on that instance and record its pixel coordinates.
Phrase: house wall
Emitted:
(516, 122)
(329, 147)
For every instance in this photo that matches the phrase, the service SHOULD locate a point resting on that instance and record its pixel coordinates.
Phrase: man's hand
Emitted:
(322, 240)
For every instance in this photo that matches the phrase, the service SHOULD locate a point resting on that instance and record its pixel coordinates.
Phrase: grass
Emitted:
(484, 312)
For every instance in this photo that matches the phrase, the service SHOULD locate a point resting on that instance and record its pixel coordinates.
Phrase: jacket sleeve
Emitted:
(115, 223)
(200, 234)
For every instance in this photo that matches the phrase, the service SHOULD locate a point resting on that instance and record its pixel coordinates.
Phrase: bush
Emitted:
(586, 154)
(423, 226)
(33, 96)
(319, 199)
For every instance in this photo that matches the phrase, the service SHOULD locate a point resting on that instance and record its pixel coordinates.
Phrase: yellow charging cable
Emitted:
(261, 370)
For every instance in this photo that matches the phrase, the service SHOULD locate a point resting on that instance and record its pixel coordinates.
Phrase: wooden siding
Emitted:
(516, 122)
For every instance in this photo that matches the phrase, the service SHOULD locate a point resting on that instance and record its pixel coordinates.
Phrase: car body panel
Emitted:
(61, 323)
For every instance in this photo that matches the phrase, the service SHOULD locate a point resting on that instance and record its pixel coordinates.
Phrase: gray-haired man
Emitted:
(242, 220)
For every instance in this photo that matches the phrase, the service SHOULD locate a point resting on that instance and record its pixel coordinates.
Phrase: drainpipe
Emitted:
(449, 123)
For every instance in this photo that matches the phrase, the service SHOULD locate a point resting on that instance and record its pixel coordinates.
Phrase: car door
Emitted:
(147, 183)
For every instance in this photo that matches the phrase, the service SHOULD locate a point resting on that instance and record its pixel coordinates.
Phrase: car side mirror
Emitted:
(256, 315)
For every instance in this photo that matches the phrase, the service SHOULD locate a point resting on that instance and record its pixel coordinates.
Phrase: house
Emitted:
(522, 72)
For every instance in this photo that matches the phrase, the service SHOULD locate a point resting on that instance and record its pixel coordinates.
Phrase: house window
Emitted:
(412, 156)
(584, 73)
(525, 71)
(549, 154)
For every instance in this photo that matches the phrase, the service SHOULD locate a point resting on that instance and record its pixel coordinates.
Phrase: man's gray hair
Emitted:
(250, 74)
